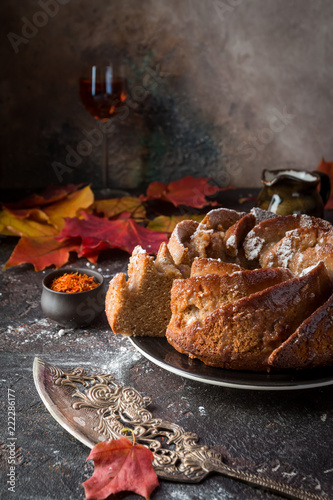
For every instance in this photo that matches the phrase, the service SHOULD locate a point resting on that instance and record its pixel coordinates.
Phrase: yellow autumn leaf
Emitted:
(35, 214)
(115, 206)
(12, 226)
(69, 206)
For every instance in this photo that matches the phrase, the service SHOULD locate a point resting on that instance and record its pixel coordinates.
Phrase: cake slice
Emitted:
(202, 266)
(311, 345)
(243, 334)
(141, 305)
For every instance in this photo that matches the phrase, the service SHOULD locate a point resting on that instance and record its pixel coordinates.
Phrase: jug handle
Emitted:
(325, 186)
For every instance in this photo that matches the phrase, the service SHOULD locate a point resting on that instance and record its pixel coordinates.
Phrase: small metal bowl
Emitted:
(73, 309)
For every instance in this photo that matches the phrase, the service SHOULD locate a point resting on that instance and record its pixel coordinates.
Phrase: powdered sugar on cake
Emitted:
(254, 245)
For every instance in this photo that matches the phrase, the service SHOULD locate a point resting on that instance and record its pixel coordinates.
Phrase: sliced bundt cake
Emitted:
(225, 311)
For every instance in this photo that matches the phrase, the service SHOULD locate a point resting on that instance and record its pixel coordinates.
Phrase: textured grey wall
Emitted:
(222, 88)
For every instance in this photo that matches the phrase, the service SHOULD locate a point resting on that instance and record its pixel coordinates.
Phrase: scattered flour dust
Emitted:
(202, 411)
(62, 332)
(120, 362)
(44, 330)
(190, 492)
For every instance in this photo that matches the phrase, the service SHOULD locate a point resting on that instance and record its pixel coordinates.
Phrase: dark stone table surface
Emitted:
(286, 435)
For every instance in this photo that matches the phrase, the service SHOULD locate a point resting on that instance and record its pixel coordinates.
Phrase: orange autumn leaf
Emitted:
(327, 168)
(41, 252)
(167, 224)
(115, 206)
(120, 466)
(125, 234)
(189, 191)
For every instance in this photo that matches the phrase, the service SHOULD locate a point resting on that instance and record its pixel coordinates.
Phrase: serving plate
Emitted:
(160, 352)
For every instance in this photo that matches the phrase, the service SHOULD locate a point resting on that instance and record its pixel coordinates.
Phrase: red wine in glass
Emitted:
(102, 92)
(102, 97)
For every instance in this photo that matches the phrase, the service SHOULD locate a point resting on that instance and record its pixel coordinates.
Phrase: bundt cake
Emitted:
(247, 291)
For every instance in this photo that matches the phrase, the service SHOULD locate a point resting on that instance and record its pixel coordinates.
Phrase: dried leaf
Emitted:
(167, 224)
(41, 252)
(69, 206)
(92, 254)
(122, 233)
(120, 466)
(189, 191)
(13, 226)
(115, 206)
(57, 222)
(35, 214)
(49, 195)
(34, 222)
(327, 168)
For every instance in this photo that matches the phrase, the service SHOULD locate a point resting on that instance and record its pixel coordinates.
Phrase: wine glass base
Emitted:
(106, 193)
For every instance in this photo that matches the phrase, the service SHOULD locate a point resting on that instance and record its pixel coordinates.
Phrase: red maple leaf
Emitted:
(120, 466)
(41, 252)
(125, 234)
(189, 191)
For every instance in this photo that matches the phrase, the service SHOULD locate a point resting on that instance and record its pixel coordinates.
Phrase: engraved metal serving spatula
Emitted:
(96, 408)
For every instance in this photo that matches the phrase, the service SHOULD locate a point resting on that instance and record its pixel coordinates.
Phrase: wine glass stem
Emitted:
(105, 164)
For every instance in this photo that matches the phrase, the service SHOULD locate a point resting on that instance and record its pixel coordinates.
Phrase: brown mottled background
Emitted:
(222, 88)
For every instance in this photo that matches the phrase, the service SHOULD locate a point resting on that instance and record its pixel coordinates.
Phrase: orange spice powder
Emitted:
(73, 283)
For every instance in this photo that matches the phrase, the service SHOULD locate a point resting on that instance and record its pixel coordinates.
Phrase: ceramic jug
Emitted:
(290, 191)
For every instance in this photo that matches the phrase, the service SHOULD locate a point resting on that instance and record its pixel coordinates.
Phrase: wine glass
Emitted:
(103, 89)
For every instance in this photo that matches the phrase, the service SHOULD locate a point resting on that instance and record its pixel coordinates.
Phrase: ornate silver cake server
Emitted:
(96, 408)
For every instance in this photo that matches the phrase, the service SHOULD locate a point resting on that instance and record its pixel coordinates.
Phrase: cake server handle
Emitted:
(282, 489)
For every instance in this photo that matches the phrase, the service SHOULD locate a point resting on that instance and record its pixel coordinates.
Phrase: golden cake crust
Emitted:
(202, 266)
(310, 345)
(242, 335)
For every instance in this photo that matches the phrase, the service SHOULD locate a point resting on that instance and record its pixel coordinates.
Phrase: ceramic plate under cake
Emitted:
(160, 352)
